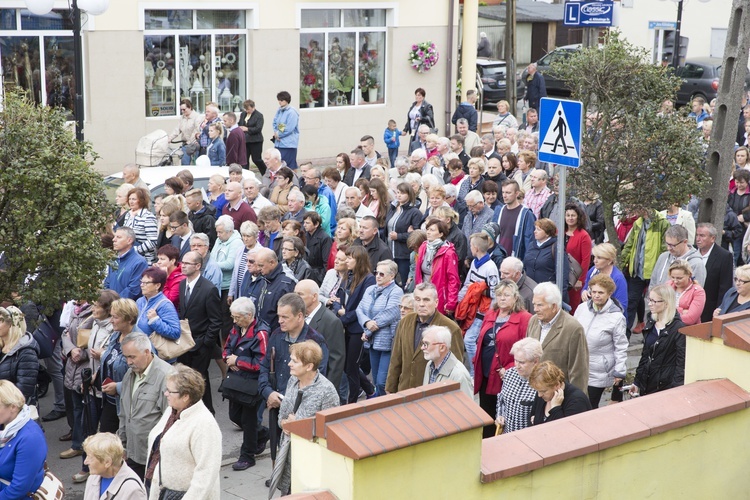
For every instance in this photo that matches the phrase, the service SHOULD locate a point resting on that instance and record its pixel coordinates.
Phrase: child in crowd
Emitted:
(392, 141)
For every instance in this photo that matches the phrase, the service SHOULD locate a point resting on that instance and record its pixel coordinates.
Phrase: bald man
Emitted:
(237, 208)
(323, 321)
(131, 174)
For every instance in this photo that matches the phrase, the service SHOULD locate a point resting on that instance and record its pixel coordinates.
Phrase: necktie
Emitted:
(187, 294)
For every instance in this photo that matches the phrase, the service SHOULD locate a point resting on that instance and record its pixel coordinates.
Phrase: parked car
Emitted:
(555, 86)
(700, 78)
(492, 73)
(155, 177)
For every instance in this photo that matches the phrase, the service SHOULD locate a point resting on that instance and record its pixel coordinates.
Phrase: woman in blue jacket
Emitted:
(737, 298)
(349, 295)
(216, 150)
(156, 313)
(539, 261)
(286, 129)
(378, 313)
(403, 218)
(23, 449)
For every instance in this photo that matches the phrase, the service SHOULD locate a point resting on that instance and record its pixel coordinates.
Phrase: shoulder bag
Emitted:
(50, 489)
(171, 349)
(166, 493)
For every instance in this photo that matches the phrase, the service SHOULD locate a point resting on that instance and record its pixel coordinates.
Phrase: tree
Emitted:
(52, 207)
(631, 152)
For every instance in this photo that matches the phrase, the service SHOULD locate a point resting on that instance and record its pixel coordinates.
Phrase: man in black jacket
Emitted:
(376, 248)
(325, 322)
(202, 215)
(318, 245)
(275, 285)
(199, 304)
(718, 264)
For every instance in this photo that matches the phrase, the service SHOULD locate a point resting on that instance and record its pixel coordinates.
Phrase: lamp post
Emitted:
(93, 7)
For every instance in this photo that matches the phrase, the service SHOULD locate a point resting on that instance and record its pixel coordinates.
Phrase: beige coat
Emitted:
(190, 453)
(455, 371)
(126, 484)
(565, 345)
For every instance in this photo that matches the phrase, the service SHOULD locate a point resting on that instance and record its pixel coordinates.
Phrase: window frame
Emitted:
(250, 23)
(41, 35)
(391, 14)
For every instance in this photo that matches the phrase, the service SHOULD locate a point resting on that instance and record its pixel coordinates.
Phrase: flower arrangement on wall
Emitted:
(423, 56)
(311, 73)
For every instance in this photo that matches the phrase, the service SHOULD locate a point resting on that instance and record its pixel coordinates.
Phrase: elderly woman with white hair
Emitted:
(23, 449)
(110, 476)
(516, 396)
(477, 167)
(121, 200)
(243, 351)
(224, 255)
(421, 198)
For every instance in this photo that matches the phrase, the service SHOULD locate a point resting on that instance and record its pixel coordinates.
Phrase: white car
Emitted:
(155, 177)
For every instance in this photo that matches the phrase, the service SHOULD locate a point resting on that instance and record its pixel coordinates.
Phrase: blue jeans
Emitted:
(289, 155)
(737, 250)
(186, 158)
(380, 360)
(470, 341)
(403, 269)
(392, 155)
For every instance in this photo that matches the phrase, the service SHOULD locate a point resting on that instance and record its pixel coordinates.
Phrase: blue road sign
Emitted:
(560, 125)
(588, 13)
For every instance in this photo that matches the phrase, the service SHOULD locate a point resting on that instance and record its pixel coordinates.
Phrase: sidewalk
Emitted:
(248, 484)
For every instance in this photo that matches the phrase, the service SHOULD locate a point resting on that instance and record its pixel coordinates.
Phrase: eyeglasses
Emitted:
(425, 344)
(287, 249)
(174, 228)
(744, 282)
(406, 308)
(251, 262)
(167, 391)
(147, 282)
(381, 274)
(673, 245)
(652, 301)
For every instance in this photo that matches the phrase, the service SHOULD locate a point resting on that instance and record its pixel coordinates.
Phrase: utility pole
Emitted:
(676, 54)
(510, 54)
(469, 46)
(720, 159)
(590, 38)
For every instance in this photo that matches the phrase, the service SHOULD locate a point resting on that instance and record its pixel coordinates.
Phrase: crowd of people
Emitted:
(313, 287)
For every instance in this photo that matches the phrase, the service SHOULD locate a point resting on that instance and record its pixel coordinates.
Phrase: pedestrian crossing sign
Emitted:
(560, 123)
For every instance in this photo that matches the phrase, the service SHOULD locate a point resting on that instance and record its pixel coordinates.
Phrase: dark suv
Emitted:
(700, 78)
(492, 73)
(555, 86)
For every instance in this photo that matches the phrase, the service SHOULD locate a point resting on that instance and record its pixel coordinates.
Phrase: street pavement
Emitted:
(246, 485)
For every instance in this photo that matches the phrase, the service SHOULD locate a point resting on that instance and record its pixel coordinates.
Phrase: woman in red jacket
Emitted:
(437, 263)
(505, 323)
(578, 245)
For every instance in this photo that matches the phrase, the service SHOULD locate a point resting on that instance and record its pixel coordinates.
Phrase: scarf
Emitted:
(458, 179)
(10, 430)
(156, 448)
(430, 252)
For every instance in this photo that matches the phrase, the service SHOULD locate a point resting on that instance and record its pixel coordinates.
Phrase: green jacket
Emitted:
(655, 245)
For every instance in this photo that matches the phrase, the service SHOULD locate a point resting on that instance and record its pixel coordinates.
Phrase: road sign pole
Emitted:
(561, 196)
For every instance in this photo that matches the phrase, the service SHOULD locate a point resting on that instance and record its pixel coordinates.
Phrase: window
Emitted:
(43, 64)
(195, 54)
(342, 57)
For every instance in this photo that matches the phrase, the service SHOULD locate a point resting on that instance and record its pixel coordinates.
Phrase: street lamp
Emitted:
(93, 7)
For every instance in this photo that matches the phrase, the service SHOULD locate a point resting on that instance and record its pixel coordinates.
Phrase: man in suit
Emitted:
(408, 363)
(199, 304)
(718, 263)
(179, 223)
(488, 147)
(562, 336)
(359, 170)
(323, 321)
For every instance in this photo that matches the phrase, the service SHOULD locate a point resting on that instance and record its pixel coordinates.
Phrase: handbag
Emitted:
(50, 489)
(170, 349)
(239, 389)
(82, 341)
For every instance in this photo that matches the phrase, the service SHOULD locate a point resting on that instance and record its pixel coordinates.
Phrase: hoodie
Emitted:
(661, 269)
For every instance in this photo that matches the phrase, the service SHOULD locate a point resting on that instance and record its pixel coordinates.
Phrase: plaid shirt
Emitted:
(434, 370)
(534, 201)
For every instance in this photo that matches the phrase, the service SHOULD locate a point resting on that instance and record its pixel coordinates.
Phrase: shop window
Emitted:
(199, 66)
(342, 57)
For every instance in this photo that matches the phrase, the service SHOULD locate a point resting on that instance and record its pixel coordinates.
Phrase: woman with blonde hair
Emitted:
(216, 186)
(185, 446)
(23, 449)
(605, 258)
(170, 205)
(477, 167)
(19, 362)
(662, 364)
(346, 232)
(110, 476)
(121, 200)
(689, 294)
